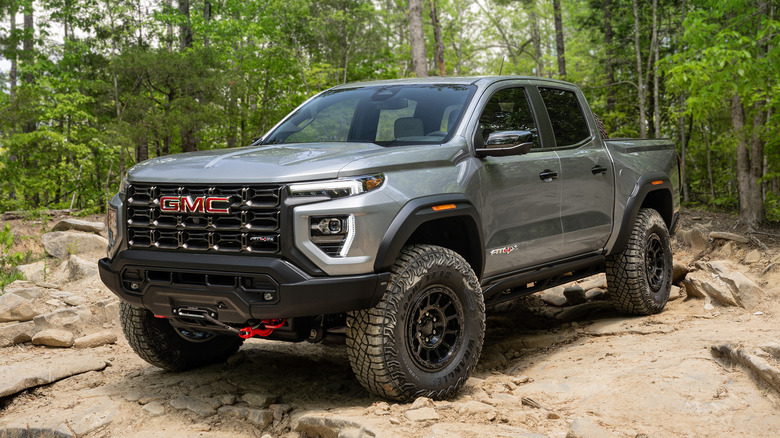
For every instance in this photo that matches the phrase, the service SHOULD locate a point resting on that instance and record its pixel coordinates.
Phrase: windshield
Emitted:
(385, 115)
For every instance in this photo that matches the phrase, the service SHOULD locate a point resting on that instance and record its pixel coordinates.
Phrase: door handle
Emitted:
(548, 175)
(597, 169)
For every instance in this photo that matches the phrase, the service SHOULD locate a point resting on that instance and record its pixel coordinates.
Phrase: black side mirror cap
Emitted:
(517, 149)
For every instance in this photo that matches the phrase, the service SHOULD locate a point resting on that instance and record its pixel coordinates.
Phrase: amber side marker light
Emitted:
(443, 207)
(655, 183)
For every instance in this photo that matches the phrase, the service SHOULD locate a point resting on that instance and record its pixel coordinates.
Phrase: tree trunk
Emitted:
(439, 52)
(14, 46)
(609, 62)
(417, 39)
(640, 85)
(656, 108)
(28, 51)
(751, 208)
(169, 30)
(559, 49)
(706, 133)
(185, 28)
(536, 37)
(207, 18)
(142, 150)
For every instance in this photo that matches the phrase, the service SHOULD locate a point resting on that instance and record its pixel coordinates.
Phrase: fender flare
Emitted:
(420, 211)
(645, 185)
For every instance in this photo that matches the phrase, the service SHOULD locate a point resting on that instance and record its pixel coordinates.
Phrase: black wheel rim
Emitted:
(655, 262)
(193, 336)
(434, 328)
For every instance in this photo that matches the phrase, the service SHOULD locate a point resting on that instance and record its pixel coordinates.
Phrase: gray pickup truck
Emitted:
(390, 215)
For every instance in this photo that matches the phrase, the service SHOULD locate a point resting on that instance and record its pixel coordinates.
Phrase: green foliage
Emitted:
(9, 259)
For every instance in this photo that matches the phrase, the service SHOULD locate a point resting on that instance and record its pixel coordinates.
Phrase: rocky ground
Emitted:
(561, 363)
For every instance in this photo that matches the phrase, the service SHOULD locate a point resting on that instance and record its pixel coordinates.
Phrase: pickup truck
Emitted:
(390, 215)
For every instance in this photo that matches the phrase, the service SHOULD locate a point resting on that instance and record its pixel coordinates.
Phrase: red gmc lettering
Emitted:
(184, 204)
(170, 203)
(210, 209)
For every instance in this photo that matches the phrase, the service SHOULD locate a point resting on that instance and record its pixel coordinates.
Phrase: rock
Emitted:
(574, 295)
(584, 310)
(25, 430)
(84, 421)
(63, 319)
(69, 224)
(192, 404)
(726, 251)
(60, 244)
(261, 418)
(729, 236)
(16, 333)
(228, 399)
(259, 400)
(553, 297)
(422, 402)
(95, 340)
(674, 293)
(279, 410)
(694, 237)
(155, 409)
(79, 268)
(75, 300)
(728, 355)
(728, 285)
(679, 271)
(15, 308)
(42, 371)
(528, 401)
(53, 338)
(752, 257)
(595, 294)
(35, 272)
(582, 428)
(28, 293)
(474, 407)
(323, 425)
(597, 281)
(422, 414)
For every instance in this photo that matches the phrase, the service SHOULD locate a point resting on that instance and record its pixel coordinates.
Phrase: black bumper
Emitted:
(236, 288)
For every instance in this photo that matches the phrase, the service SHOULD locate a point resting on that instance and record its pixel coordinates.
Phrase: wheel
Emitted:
(639, 279)
(172, 349)
(425, 335)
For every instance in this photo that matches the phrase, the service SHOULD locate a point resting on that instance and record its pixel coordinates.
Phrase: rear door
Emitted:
(587, 174)
(521, 194)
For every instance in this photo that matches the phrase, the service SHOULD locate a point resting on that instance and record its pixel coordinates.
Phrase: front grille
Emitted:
(250, 226)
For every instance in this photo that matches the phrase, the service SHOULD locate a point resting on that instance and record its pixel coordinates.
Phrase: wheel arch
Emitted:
(455, 225)
(654, 191)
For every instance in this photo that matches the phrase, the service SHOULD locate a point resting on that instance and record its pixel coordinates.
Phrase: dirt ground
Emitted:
(608, 375)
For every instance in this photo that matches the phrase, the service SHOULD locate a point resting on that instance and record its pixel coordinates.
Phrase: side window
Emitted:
(330, 124)
(568, 121)
(508, 110)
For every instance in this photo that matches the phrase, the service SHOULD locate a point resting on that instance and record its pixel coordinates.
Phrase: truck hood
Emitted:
(261, 164)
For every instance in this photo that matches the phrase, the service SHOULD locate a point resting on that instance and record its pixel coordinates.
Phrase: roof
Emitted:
(432, 80)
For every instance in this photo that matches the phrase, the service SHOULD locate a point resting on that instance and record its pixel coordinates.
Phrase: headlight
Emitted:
(123, 185)
(113, 229)
(337, 188)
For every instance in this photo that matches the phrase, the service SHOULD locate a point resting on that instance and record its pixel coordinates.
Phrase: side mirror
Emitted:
(505, 143)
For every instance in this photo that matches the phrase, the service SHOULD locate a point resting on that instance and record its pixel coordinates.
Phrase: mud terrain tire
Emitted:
(639, 279)
(160, 344)
(425, 336)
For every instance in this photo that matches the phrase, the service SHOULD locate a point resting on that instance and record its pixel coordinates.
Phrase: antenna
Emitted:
(502, 65)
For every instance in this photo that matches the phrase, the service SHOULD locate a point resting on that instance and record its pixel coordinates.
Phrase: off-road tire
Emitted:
(639, 278)
(401, 349)
(159, 343)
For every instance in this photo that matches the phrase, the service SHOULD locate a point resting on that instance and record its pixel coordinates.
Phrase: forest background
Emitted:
(90, 87)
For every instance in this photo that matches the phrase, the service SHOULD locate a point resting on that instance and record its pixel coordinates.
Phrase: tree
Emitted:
(417, 39)
(559, 47)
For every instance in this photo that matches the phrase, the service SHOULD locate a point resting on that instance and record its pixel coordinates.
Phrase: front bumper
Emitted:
(235, 288)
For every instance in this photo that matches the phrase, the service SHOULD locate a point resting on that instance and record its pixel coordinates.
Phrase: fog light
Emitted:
(268, 296)
(135, 286)
(333, 235)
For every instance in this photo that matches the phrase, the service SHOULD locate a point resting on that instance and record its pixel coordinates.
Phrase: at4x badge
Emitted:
(504, 250)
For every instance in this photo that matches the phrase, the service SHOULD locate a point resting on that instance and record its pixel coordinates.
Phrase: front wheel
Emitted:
(425, 337)
(169, 348)
(639, 278)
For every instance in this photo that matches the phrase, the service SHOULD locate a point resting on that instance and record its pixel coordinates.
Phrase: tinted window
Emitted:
(508, 110)
(384, 114)
(566, 117)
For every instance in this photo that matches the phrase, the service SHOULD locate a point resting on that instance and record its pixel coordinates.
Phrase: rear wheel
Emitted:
(170, 348)
(639, 279)
(425, 336)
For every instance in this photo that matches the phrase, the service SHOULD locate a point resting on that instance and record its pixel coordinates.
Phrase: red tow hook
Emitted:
(269, 325)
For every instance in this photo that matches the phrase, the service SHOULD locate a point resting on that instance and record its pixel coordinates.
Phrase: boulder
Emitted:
(752, 257)
(60, 244)
(95, 340)
(38, 371)
(596, 294)
(422, 414)
(694, 237)
(155, 409)
(724, 285)
(79, 268)
(259, 400)
(324, 425)
(27, 292)
(53, 338)
(35, 272)
(729, 236)
(70, 224)
(192, 404)
(15, 308)
(583, 428)
(679, 271)
(575, 295)
(597, 281)
(553, 297)
(675, 293)
(16, 333)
